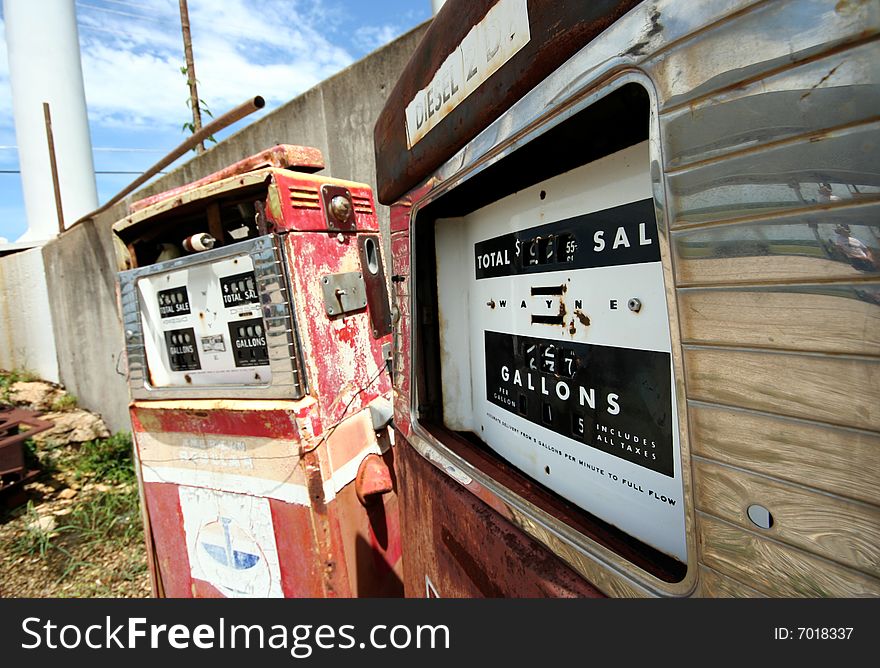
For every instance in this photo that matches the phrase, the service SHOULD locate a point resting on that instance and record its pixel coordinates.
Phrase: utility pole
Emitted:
(191, 74)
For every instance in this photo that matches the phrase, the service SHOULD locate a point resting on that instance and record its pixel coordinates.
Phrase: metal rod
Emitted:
(191, 74)
(216, 125)
(47, 117)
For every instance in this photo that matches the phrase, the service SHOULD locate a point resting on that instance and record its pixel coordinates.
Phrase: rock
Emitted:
(76, 426)
(37, 395)
(39, 487)
(61, 512)
(43, 523)
(67, 493)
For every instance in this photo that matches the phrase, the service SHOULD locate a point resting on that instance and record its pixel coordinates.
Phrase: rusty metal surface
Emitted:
(372, 543)
(557, 29)
(373, 269)
(373, 480)
(340, 354)
(465, 549)
(283, 156)
(12, 438)
(13, 467)
(340, 219)
(400, 316)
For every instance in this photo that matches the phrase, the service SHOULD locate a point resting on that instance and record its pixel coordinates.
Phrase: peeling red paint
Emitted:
(284, 156)
(264, 423)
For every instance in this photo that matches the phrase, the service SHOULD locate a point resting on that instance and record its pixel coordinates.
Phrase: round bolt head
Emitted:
(340, 208)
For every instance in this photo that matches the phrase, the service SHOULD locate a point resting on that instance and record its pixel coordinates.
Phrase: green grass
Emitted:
(35, 539)
(65, 403)
(110, 517)
(97, 521)
(107, 460)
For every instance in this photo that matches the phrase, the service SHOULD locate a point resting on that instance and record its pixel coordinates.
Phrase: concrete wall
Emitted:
(337, 116)
(80, 270)
(26, 334)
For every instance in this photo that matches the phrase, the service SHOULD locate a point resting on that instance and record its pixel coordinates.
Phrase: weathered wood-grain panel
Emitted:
(835, 390)
(841, 530)
(715, 585)
(769, 268)
(793, 319)
(774, 568)
(841, 461)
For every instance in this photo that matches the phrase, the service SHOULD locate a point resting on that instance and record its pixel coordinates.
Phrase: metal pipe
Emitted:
(53, 164)
(214, 126)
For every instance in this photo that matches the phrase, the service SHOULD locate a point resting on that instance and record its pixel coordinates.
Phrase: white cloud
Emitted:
(372, 37)
(132, 52)
(132, 65)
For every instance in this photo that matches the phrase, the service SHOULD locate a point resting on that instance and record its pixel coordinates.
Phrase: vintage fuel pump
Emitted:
(611, 223)
(258, 330)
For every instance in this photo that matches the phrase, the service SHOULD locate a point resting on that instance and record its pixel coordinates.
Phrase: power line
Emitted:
(119, 149)
(18, 171)
(115, 33)
(143, 17)
(129, 150)
(124, 4)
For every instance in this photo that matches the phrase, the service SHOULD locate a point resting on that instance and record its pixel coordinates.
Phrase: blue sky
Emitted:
(132, 52)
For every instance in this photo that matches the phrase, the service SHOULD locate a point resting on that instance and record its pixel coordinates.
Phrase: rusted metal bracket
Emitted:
(13, 468)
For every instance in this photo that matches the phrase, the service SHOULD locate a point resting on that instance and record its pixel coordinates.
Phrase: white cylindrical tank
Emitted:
(44, 66)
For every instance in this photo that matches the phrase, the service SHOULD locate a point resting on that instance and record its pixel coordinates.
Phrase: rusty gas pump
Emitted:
(258, 335)
(592, 211)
